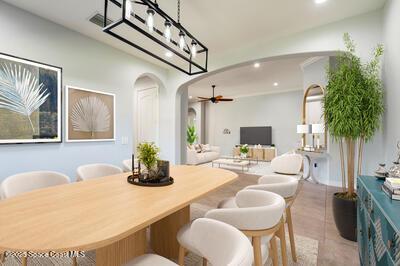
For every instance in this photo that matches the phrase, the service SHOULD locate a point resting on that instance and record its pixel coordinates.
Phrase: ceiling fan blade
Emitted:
(204, 98)
(225, 100)
(219, 97)
(201, 101)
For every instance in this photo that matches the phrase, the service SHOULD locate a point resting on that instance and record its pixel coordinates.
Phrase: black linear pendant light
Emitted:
(167, 40)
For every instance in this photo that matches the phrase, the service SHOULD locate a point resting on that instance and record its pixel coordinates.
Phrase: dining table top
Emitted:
(87, 215)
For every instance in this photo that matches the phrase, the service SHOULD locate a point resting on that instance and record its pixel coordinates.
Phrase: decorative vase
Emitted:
(394, 171)
(243, 155)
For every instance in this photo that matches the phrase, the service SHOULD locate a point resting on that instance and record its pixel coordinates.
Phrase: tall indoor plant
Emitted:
(191, 135)
(353, 108)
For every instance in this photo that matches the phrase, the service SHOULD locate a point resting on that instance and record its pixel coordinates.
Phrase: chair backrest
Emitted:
(258, 210)
(286, 186)
(90, 171)
(221, 243)
(289, 164)
(25, 182)
(127, 165)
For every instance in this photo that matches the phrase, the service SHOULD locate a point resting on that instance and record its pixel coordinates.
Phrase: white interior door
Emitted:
(147, 115)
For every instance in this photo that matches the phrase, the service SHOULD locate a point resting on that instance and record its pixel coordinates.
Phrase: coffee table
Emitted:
(250, 159)
(244, 164)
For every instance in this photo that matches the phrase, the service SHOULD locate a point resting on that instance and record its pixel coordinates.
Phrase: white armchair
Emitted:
(258, 214)
(287, 187)
(220, 244)
(287, 164)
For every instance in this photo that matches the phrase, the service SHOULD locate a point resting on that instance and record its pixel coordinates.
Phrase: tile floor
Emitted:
(312, 217)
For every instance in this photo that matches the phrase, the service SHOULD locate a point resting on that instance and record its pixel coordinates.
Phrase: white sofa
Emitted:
(195, 158)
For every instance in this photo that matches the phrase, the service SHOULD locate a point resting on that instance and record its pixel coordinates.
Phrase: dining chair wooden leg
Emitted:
(181, 258)
(24, 261)
(291, 233)
(2, 257)
(74, 261)
(205, 263)
(274, 251)
(283, 244)
(257, 250)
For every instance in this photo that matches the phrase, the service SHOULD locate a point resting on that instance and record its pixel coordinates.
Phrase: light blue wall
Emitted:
(86, 63)
(282, 111)
(391, 78)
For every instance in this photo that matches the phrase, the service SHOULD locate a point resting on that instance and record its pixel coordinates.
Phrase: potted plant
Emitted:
(353, 108)
(244, 149)
(148, 156)
(191, 135)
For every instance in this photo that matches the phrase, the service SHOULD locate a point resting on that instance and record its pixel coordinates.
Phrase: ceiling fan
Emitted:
(214, 99)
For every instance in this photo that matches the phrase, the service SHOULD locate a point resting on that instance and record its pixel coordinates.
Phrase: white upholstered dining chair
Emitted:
(90, 171)
(220, 243)
(288, 187)
(29, 181)
(258, 214)
(287, 164)
(127, 165)
(25, 182)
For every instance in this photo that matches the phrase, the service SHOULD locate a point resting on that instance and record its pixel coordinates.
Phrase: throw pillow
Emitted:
(197, 147)
(206, 147)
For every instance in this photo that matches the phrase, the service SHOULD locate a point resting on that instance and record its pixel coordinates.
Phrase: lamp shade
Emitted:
(303, 129)
(317, 128)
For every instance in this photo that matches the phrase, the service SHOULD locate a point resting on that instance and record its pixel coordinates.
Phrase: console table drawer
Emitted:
(378, 234)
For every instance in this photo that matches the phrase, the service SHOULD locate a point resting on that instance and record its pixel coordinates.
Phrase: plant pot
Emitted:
(345, 215)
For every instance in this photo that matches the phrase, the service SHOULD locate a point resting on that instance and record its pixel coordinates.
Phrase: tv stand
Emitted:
(265, 153)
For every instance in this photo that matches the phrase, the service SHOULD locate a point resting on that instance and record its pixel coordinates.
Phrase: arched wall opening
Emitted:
(146, 109)
(182, 96)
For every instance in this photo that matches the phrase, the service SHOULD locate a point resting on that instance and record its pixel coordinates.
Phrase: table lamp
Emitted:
(303, 129)
(317, 129)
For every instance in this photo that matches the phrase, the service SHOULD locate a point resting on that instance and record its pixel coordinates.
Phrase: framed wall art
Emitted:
(90, 115)
(30, 101)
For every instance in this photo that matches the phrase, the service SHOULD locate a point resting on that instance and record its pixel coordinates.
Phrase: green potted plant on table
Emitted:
(353, 108)
(148, 156)
(244, 149)
(191, 135)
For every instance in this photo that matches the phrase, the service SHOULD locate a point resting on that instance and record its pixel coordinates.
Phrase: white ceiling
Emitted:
(220, 24)
(248, 80)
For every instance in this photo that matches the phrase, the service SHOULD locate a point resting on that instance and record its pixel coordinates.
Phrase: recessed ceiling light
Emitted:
(276, 84)
(190, 97)
(319, 1)
(168, 54)
(256, 65)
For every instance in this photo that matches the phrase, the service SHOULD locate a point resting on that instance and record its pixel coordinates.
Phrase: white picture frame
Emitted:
(68, 114)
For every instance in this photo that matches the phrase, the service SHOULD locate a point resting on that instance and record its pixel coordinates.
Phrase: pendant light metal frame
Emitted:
(184, 55)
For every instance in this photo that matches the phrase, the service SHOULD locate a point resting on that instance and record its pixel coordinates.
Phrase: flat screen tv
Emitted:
(256, 135)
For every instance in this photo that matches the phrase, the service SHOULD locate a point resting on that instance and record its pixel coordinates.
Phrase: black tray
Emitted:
(135, 181)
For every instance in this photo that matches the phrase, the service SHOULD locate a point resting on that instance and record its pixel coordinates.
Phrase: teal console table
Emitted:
(378, 224)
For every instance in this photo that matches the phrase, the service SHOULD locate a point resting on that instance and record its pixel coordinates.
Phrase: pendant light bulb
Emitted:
(181, 40)
(193, 49)
(128, 9)
(150, 19)
(167, 31)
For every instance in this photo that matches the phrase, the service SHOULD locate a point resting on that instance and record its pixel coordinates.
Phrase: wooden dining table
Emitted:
(107, 215)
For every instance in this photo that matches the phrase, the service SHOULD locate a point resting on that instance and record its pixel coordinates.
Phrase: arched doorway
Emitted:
(181, 97)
